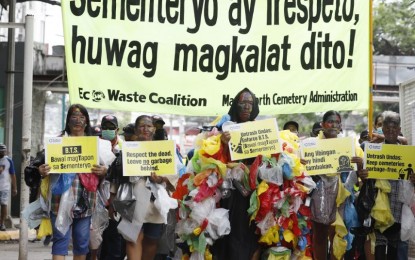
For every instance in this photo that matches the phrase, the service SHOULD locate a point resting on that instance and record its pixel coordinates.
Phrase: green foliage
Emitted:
(393, 27)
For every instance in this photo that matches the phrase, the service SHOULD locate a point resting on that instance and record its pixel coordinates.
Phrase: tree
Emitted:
(393, 27)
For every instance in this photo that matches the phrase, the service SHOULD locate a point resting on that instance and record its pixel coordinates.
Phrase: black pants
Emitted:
(113, 244)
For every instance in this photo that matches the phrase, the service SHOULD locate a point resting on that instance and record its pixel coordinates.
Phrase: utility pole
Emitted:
(10, 77)
(26, 123)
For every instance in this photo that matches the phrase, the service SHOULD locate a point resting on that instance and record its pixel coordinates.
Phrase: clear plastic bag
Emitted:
(407, 224)
(272, 175)
(323, 200)
(219, 224)
(99, 219)
(64, 217)
(406, 192)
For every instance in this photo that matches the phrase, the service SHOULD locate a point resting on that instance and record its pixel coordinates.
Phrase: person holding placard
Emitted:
(242, 242)
(81, 188)
(323, 198)
(388, 242)
(377, 134)
(144, 246)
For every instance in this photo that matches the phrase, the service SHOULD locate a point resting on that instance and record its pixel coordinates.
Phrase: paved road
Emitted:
(36, 251)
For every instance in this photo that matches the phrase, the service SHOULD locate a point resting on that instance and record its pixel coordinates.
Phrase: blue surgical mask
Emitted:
(108, 135)
(379, 130)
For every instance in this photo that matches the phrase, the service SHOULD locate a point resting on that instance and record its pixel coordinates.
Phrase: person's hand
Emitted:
(14, 192)
(377, 138)
(44, 170)
(225, 137)
(156, 179)
(99, 170)
(111, 212)
(363, 174)
(303, 161)
(412, 178)
(359, 161)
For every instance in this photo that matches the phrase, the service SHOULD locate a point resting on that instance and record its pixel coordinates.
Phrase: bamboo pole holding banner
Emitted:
(370, 111)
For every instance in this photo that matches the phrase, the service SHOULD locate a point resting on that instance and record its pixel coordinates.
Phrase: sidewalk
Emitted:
(9, 245)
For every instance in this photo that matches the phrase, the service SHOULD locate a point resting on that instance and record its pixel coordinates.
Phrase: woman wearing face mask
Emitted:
(77, 124)
(323, 202)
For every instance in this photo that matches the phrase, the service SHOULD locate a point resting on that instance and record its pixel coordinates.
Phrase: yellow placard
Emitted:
(143, 158)
(251, 139)
(389, 161)
(71, 154)
(325, 156)
(191, 57)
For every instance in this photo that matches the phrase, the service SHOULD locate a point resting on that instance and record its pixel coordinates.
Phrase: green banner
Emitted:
(191, 57)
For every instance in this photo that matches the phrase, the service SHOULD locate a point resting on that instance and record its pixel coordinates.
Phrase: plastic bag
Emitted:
(64, 217)
(366, 200)
(124, 202)
(211, 145)
(219, 224)
(99, 218)
(131, 229)
(406, 192)
(163, 201)
(63, 183)
(106, 156)
(33, 214)
(272, 175)
(407, 224)
(277, 253)
(89, 180)
(350, 215)
(202, 210)
(323, 200)
(381, 211)
(45, 228)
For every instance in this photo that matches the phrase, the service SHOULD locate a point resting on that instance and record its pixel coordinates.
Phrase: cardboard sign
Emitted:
(325, 156)
(251, 139)
(143, 158)
(71, 154)
(389, 161)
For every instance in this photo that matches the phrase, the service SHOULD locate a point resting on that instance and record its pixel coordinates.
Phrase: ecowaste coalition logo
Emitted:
(96, 95)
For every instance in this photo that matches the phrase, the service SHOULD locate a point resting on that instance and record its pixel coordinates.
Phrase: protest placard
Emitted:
(71, 154)
(389, 161)
(251, 139)
(325, 156)
(143, 158)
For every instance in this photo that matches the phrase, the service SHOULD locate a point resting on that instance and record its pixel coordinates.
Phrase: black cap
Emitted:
(96, 130)
(158, 119)
(110, 118)
(128, 129)
(316, 128)
(364, 134)
(290, 123)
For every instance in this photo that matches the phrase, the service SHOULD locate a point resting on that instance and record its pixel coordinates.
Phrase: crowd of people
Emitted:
(224, 209)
